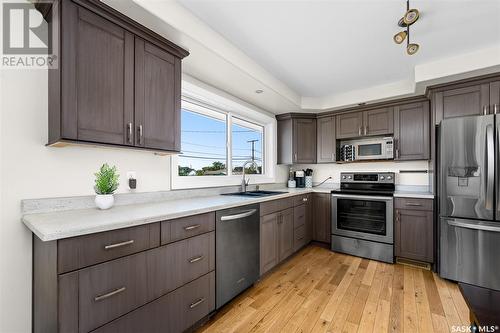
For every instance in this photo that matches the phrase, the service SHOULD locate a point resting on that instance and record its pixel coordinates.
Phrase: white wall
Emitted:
(322, 171)
(32, 170)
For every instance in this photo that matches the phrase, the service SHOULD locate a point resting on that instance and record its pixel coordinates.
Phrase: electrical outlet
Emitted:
(131, 174)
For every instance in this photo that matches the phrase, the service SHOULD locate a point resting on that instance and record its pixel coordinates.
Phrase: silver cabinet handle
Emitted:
(192, 227)
(486, 226)
(359, 131)
(114, 246)
(413, 204)
(295, 157)
(238, 216)
(240, 280)
(486, 109)
(304, 199)
(366, 129)
(129, 132)
(195, 259)
(495, 108)
(198, 302)
(139, 128)
(111, 293)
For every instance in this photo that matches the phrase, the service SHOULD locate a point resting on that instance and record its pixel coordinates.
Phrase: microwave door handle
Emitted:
(490, 167)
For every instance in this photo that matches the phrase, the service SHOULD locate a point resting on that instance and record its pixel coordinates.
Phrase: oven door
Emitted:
(363, 217)
(371, 150)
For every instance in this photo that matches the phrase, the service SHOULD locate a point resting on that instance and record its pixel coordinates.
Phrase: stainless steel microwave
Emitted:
(367, 149)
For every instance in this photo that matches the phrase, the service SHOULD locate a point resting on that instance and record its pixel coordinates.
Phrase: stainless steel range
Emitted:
(362, 215)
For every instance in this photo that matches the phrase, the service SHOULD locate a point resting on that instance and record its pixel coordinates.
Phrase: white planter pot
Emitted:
(104, 201)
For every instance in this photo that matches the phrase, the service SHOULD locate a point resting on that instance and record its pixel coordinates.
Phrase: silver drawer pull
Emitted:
(113, 246)
(240, 280)
(198, 302)
(304, 199)
(413, 204)
(111, 293)
(195, 259)
(192, 227)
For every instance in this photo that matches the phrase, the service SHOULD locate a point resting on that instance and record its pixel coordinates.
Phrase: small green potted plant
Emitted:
(106, 183)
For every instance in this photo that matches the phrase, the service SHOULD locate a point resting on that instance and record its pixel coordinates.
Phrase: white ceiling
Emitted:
(323, 48)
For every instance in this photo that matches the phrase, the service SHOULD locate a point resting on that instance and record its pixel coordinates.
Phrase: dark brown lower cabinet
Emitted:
(276, 238)
(321, 217)
(146, 288)
(414, 229)
(285, 234)
(174, 312)
(302, 222)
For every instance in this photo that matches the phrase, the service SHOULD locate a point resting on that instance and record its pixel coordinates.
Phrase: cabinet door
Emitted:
(326, 140)
(268, 242)
(97, 78)
(349, 125)
(414, 234)
(321, 217)
(411, 132)
(495, 97)
(378, 122)
(285, 234)
(304, 140)
(466, 101)
(157, 97)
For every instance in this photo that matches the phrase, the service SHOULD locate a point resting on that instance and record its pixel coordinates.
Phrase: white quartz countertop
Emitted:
(71, 223)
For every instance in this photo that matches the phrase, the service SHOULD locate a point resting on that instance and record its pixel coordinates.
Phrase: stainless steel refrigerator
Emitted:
(469, 200)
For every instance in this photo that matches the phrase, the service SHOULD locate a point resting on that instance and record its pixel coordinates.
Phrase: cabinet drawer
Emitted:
(174, 312)
(111, 289)
(299, 215)
(270, 207)
(301, 199)
(413, 203)
(192, 302)
(78, 252)
(299, 237)
(186, 227)
(173, 265)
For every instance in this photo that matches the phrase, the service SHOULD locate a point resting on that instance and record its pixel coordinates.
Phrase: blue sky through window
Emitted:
(203, 145)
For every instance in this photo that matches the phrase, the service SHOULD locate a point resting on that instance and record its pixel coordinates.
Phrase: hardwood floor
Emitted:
(321, 291)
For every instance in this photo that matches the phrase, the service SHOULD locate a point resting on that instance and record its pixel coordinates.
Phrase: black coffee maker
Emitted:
(300, 178)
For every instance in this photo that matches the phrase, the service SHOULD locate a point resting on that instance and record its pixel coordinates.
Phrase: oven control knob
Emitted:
(350, 177)
(382, 177)
(389, 177)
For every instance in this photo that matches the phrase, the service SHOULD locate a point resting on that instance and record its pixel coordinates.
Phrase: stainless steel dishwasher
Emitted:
(237, 251)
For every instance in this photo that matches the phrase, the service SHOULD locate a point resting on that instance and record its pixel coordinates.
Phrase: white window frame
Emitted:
(214, 105)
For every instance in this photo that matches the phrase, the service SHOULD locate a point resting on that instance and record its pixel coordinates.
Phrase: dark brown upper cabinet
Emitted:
(378, 121)
(117, 83)
(326, 140)
(411, 131)
(495, 97)
(365, 123)
(296, 138)
(157, 97)
(462, 101)
(349, 125)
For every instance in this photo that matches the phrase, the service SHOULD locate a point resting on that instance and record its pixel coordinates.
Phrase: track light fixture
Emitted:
(411, 16)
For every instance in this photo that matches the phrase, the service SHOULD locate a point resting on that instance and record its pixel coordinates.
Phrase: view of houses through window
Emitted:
(211, 147)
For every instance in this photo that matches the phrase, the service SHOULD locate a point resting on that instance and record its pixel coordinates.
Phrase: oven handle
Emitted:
(362, 197)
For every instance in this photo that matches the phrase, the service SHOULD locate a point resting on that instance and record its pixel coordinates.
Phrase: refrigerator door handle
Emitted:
(490, 167)
(486, 226)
